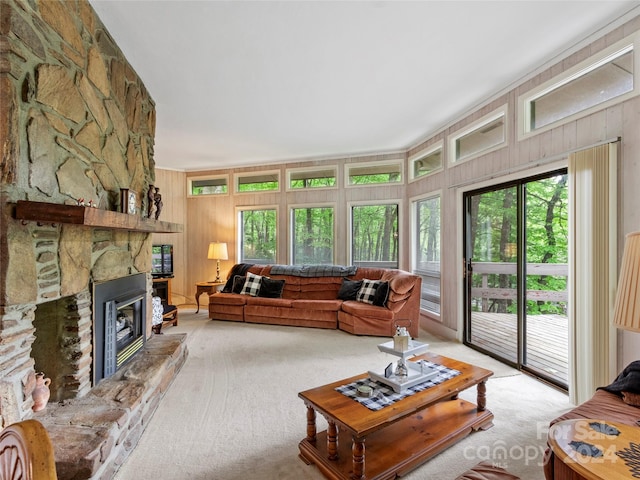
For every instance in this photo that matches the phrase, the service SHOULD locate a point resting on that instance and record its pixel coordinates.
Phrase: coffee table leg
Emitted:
(311, 425)
(332, 441)
(482, 396)
(357, 451)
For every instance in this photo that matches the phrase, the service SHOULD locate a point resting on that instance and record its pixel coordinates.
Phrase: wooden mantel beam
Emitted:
(91, 217)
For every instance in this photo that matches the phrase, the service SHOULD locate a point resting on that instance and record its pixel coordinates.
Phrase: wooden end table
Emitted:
(397, 438)
(571, 441)
(205, 287)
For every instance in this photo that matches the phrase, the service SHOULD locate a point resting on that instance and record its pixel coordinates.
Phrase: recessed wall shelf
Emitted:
(91, 217)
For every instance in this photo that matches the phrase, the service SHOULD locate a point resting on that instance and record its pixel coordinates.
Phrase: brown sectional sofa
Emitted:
(312, 301)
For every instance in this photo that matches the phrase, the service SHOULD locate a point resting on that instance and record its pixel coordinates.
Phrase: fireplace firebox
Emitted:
(119, 323)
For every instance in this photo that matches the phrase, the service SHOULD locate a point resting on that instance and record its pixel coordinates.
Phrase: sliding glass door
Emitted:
(516, 274)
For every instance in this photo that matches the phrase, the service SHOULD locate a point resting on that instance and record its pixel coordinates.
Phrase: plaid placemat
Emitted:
(385, 396)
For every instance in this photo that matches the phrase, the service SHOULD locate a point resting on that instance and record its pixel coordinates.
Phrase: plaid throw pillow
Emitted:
(374, 292)
(251, 285)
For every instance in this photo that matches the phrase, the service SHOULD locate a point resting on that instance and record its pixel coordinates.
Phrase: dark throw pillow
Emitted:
(270, 288)
(238, 283)
(374, 292)
(228, 287)
(349, 289)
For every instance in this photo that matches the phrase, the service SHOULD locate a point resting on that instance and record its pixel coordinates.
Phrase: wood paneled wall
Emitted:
(174, 209)
(213, 218)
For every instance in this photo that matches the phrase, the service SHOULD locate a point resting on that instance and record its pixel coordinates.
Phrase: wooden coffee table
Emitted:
(399, 437)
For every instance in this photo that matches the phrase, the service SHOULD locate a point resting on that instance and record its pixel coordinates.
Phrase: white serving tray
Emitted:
(416, 375)
(415, 348)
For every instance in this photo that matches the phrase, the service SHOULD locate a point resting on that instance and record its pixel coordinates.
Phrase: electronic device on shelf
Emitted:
(162, 261)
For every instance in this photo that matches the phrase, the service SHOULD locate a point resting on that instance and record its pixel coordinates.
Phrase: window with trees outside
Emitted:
(312, 231)
(307, 178)
(257, 235)
(426, 214)
(216, 185)
(374, 173)
(258, 182)
(374, 235)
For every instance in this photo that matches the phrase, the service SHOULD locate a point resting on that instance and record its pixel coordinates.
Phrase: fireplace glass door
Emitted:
(119, 323)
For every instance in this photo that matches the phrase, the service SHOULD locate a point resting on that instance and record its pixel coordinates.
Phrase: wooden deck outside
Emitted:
(547, 340)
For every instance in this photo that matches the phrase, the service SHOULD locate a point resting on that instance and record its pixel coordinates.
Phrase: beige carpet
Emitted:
(233, 411)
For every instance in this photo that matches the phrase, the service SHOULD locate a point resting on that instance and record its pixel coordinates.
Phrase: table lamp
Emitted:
(626, 313)
(217, 252)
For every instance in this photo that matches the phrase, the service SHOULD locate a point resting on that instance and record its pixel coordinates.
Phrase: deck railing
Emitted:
(487, 293)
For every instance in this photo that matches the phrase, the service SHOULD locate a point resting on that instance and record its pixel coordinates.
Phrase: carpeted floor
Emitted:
(233, 411)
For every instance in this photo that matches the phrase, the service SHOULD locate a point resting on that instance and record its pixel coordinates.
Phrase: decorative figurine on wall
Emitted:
(158, 201)
(151, 197)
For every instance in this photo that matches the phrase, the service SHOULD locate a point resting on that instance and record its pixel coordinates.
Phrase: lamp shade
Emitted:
(626, 313)
(217, 251)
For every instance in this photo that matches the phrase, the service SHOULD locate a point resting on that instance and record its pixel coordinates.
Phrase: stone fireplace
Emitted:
(77, 125)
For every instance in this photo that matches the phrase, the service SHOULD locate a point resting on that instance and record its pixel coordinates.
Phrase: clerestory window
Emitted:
(604, 79)
(214, 185)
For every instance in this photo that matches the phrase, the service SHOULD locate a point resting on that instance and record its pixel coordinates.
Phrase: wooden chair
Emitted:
(26, 452)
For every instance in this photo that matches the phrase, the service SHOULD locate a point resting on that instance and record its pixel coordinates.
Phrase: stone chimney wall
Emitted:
(76, 122)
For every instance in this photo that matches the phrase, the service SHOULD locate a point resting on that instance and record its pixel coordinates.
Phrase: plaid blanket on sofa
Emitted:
(314, 270)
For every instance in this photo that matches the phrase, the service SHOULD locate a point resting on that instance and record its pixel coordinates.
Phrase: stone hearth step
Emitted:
(92, 436)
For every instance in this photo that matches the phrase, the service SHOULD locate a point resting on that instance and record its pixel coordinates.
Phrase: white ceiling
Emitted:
(241, 83)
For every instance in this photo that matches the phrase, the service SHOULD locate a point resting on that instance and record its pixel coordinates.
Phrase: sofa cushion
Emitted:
(349, 289)
(289, 316)
(374, 292)
(270, 288)
(373, 273)
(251, 285)
(227, 299)
(361, 309)
(330, 305)
(399, 281)
(269, 302)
